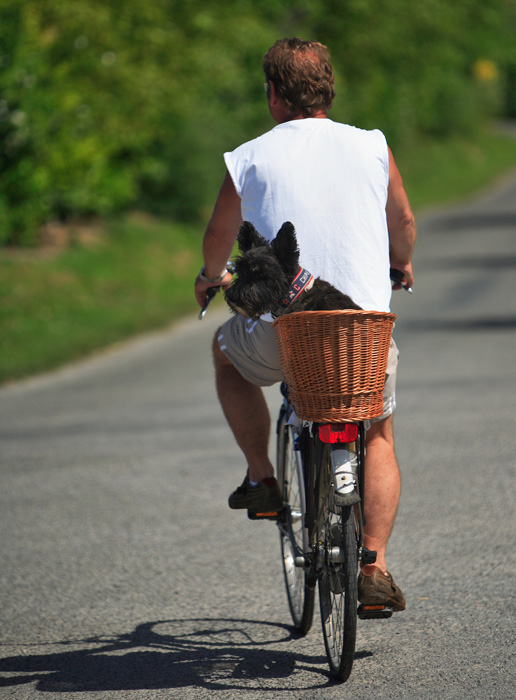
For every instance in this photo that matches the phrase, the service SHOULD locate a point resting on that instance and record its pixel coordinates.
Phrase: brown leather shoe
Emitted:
(380, 589)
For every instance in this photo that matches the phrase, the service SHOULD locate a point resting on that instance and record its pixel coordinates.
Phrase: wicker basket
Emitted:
(334, 362)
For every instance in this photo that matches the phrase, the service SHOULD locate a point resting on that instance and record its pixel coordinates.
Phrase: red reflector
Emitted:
(332, 433)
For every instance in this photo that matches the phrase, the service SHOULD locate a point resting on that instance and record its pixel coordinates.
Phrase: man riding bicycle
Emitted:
(341, 188)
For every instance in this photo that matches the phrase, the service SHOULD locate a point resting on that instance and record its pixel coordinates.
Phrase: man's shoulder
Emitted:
(365, 140)
(360, 132)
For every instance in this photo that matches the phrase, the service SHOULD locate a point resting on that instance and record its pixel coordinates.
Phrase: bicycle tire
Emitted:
(293, 534)
(338, 596)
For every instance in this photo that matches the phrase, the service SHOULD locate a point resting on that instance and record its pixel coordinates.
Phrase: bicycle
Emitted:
(320, 472)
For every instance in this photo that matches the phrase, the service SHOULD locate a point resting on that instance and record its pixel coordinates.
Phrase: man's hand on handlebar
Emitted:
(402, 276)
(205, 290)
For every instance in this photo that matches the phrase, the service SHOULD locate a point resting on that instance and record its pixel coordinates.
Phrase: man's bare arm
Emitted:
(401, 224)
(220, 237)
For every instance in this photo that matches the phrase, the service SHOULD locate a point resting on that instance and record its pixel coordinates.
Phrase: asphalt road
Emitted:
(124, 574)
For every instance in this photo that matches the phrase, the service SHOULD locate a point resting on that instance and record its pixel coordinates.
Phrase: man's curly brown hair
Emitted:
(302, 75)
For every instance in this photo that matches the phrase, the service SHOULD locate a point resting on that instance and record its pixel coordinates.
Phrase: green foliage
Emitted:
(117, 103)
(106, 104)
(411, 68)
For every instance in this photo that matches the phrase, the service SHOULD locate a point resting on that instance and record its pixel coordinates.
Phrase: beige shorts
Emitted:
(251, 347)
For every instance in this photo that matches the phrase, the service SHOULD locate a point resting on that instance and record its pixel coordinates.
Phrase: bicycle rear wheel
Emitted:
(338, 582)
(293, 534)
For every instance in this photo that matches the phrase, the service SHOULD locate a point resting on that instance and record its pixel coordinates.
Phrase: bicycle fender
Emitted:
(345, 479)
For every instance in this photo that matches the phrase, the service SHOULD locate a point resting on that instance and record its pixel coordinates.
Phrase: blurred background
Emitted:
(114, 116)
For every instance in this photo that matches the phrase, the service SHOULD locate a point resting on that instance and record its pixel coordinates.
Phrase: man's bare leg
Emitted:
(382, 489)
(247, 414)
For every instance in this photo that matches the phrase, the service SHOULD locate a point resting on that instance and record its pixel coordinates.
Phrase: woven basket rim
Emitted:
(336, 312)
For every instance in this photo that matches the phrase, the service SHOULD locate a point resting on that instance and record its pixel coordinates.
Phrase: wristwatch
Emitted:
(203, 277)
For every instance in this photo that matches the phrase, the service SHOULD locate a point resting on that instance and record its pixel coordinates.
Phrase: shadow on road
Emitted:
(491, 323)
(470, 262)
(223, 654)
(455, 223)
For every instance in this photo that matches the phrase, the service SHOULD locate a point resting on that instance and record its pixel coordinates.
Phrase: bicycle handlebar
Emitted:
(395, 275)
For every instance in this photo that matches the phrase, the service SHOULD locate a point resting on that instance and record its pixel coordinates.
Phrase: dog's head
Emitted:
(264, 271)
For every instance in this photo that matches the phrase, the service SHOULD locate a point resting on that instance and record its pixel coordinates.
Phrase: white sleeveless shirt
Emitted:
(330, 180)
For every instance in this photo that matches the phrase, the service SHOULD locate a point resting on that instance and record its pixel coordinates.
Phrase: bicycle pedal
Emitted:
(374, 612)
(269, 515)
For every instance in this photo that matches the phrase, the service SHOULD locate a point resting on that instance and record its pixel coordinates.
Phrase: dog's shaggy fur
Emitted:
(265, 273)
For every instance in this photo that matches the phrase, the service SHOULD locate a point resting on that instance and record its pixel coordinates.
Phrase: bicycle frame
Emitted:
(309, 445)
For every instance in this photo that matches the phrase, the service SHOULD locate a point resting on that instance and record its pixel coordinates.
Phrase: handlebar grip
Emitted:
(211, 292)
(397, 277)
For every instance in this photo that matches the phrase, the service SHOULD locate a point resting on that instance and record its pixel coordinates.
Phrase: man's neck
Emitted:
(295, 117)
(281, 114)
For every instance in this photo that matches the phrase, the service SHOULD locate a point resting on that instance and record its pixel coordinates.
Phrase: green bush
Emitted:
(110, 104)
(410, 68)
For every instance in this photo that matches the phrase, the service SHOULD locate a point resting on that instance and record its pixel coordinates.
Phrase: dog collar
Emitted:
(301, 283)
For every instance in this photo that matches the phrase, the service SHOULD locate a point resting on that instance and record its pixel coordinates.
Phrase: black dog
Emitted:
(269, 278)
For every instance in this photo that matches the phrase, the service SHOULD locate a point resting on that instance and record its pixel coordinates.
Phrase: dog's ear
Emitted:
(248, 237)
(285, 248)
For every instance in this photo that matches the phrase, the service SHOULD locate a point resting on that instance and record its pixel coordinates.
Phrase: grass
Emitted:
(446, 171)
(135, 274)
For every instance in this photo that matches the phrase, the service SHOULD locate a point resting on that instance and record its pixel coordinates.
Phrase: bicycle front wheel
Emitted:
(338, 582)
(293, 534)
